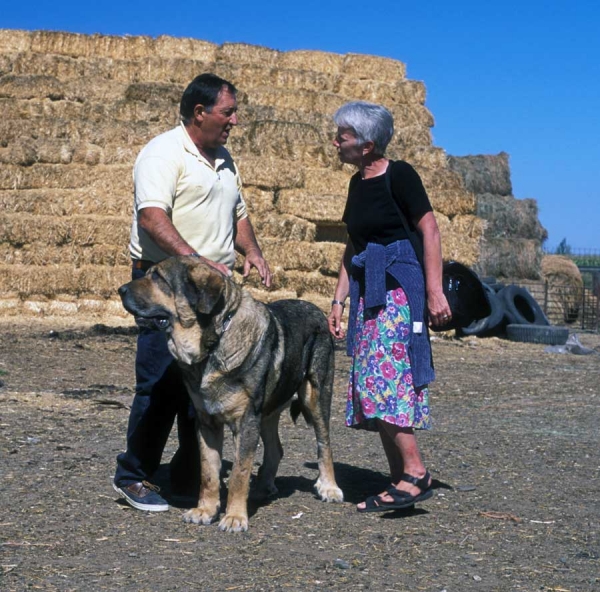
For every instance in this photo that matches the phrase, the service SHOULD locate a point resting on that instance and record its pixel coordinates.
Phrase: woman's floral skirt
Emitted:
(381, 384)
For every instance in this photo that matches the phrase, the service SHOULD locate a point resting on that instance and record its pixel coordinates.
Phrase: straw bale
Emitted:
(258, 201)
(264, 295)
(461, 238)
(292, 141)
(286, 254)
(391, 94)
(446, 192)
(113, 179)
(315, 61)
(484, 173)
(561, 269)
(39, 253)
(331, 232)
(26, 153)
(243, 53)
(176, 47)
(565, 288)
(327, 182)
(146, 91)
(283, 226)
(6, 65)
(268, 172)
(30, 280)
(91, 88)
(249, 112)
(244, 76)
(332, 255)
(302, 80)
(76, 45)
(407, 136)
(425, 157)
(312, 282)
(14, 41)
(517, 258)
(369, 67)
(66, 202)
(508, 216)
(24, 229)
(311, 205)
(297, 100)
(30, 87)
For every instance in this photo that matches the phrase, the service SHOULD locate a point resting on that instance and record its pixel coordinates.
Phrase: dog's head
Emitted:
(186, 299)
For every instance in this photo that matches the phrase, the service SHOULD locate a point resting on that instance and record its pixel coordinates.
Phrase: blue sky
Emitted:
(516, 76)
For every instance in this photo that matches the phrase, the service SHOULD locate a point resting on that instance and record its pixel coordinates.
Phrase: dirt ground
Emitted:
(514, 454)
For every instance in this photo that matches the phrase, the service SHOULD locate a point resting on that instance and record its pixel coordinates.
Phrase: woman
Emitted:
(392, 270)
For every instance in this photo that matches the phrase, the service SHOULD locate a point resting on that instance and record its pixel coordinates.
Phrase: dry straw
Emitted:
(510, 258)
(313, 205)
(77, 109)
(565, 287)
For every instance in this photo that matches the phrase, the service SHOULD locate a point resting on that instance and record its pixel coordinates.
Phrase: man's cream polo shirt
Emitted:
(203, 202)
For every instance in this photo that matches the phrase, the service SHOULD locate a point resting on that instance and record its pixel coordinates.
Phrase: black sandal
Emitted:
(401, 499)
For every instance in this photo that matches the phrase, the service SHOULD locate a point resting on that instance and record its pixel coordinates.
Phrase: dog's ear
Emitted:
(204, 288)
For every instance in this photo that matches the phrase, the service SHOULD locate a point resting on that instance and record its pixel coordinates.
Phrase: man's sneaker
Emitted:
(143, 496)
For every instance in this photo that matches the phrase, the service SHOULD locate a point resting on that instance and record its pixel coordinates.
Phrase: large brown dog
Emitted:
(242, 361)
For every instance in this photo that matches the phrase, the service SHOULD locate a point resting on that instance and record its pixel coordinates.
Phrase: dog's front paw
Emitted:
(200, 515)
(233, 523)
(329, 492)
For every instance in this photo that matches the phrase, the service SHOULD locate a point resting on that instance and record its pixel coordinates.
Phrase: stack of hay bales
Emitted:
(77, 109)
(513, 237)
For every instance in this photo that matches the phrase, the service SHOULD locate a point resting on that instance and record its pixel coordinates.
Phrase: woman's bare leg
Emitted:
(400, 445)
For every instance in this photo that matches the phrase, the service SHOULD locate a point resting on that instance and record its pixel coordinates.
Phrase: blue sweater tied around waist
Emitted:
(400, 262)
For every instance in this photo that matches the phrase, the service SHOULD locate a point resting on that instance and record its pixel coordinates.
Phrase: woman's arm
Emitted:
(341, 293)
(439, 310)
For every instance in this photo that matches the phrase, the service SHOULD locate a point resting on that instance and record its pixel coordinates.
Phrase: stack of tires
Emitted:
(516, 315)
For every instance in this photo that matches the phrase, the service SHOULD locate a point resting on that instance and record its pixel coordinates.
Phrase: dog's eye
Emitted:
(161, 323)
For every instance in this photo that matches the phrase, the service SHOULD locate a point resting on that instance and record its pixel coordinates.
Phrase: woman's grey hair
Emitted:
(369, 122)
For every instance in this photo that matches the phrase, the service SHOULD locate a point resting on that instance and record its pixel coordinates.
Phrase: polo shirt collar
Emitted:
(190, 147)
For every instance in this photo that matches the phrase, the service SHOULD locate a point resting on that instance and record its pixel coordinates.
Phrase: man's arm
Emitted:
(246, 243)
(158, 226)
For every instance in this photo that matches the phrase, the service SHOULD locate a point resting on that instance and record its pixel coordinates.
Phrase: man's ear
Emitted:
(204, 288)
(199, 112)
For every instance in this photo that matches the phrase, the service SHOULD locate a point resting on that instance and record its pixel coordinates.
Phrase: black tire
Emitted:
(492, 324)
(548, 335)
(521, 307)
(497, 286)
(490, 279)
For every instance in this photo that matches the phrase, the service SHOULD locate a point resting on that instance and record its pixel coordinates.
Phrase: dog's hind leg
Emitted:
(210, 440)
(269, 433)
(315, 395)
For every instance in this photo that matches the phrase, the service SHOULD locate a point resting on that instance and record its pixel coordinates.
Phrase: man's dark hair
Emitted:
(203, 90)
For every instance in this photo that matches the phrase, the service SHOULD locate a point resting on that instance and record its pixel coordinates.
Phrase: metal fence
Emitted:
(567, 305)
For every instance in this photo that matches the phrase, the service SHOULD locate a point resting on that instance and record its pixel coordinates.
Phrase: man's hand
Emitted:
(255, 259)
(218, 266)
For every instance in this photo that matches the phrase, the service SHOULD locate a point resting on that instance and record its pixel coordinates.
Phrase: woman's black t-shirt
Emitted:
(370, 215)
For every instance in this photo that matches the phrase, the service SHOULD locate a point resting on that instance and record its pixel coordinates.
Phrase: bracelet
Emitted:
(340, 302)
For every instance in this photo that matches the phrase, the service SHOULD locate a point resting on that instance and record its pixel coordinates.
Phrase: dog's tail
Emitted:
(297, 408)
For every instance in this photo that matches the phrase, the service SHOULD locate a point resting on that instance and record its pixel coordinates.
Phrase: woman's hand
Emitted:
(439, 309)
(335, 321)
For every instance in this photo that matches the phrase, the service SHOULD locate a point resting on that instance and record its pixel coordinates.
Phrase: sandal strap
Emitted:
(422, 483)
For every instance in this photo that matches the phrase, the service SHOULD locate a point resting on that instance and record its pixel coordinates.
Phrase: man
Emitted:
(187, 202)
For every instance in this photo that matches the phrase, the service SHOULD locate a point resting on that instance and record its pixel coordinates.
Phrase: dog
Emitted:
(242, 362)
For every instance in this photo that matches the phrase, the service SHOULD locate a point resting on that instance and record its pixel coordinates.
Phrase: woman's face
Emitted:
(349, 150)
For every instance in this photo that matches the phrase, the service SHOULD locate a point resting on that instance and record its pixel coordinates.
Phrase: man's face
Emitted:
(217, 123)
